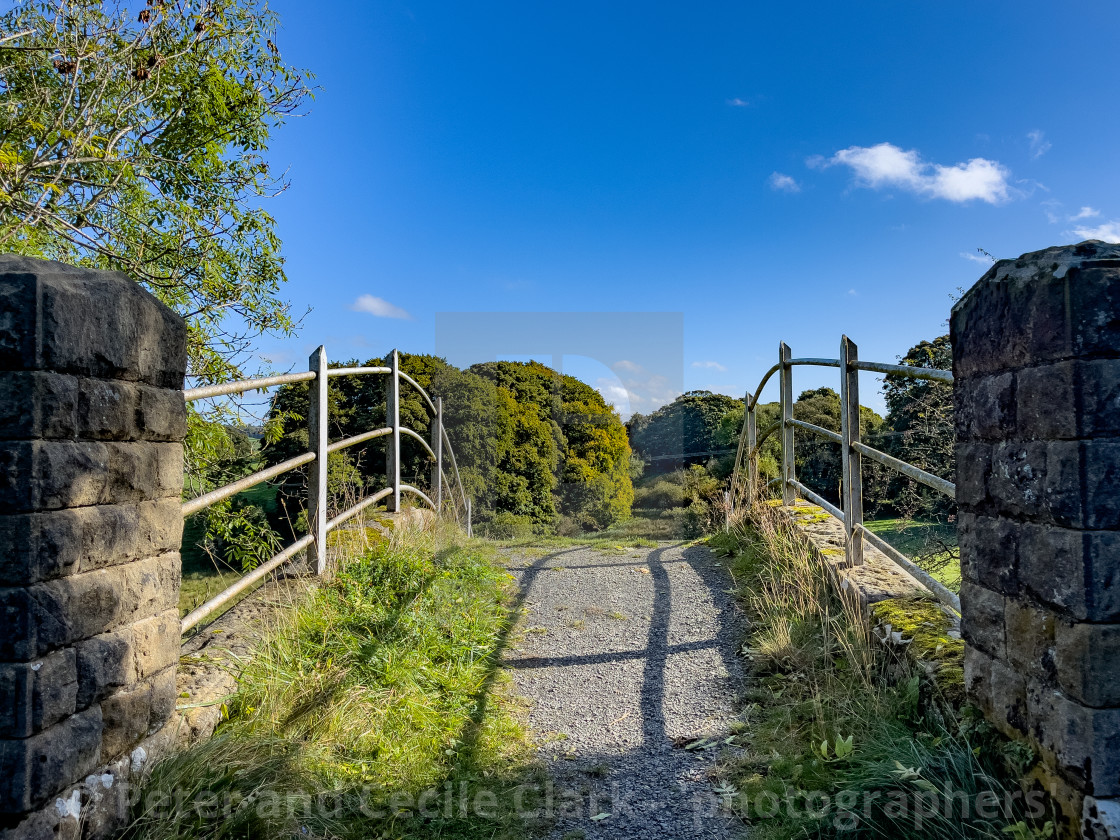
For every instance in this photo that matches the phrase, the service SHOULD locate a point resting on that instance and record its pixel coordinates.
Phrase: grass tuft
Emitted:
(845, 738)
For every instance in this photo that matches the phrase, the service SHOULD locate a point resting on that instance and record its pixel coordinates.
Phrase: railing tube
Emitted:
(789, 493)
(317, 469)
(851, 488)
(752, 455)
(393, 421)
(437, 445)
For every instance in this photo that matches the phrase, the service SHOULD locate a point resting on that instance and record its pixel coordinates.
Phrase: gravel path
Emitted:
(626, 657)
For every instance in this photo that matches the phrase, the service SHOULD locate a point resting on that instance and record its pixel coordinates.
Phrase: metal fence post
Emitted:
(789, 495)
(437, 447)
(317, 469)
(393, 421)
(851, 490)
(470, 532)
(752, 454)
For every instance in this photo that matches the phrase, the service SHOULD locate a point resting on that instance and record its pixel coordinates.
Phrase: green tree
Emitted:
(134, 139)
(689, 424)
(919, 429)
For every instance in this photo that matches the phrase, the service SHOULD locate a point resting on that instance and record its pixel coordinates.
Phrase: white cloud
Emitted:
(1107, 232)
(1039, 144)
(976, 258)
(736, 102)
(379, 307)
(627, 366)
(886, 165)
(783, 183)
(1085, 213)
(712, 365)
(852, 292)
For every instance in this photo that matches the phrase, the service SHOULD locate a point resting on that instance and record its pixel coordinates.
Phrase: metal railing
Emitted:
(315, 542)
(852, 452)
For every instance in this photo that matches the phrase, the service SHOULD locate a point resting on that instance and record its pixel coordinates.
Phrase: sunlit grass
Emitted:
(379, 685)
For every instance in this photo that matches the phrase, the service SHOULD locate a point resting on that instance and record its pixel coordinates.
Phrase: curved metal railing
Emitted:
(852, 452)
(319, 448)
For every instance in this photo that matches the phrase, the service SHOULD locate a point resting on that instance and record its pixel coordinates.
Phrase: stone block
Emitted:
(107, 410)
(160, 528)
(34, 769)
(974, 467)
(106, 663)
(1101, 467)
(127, 714)
(1084, 742)
(1088, 663)
(162, 414)
(164, 696)
(982, 619)
(156, 643)
(1009, 699)
(1018, 478)
(1030, 638)
(51, 823)
(90, 323)
(59, 612)
(1100, 819)
(1045, 403)
(1094, 301)
(1077, 572)
(37, 404)
(36, 695)
(1103, 576)
(1099, 393)
(40, 546)
(46, 475)
(978, 677)
(989, 552)
(984, 407)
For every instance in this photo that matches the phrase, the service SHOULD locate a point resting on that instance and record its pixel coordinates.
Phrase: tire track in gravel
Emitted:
(625, 656)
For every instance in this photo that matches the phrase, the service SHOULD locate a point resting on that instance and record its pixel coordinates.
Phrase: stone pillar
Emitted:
(1036, 358)
(91, 469)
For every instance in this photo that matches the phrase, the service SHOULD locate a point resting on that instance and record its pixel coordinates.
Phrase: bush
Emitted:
(504, 525)
(663, 494)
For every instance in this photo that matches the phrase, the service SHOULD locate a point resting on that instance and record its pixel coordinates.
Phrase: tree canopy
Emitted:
(530, 442)
(133, 138)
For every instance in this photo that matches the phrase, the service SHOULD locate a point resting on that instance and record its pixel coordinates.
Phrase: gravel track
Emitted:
(625, 657)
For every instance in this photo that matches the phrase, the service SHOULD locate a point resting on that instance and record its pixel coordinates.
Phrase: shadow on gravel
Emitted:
(654, 790)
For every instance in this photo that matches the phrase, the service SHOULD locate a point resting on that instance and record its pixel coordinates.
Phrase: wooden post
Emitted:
(851, 488)
(752, 455)
(789, 494)
(317, 469)
(393, 421)
(437, 447)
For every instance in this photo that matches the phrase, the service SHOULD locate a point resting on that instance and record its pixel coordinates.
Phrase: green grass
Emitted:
(932, 545)
(380, 688)
(831, 713)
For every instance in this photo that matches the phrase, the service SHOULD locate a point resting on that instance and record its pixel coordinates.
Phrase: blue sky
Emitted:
(777, 171)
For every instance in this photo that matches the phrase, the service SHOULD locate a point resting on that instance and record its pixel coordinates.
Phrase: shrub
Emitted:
(504, 525)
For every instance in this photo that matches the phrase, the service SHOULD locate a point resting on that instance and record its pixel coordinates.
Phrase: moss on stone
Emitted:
(927, 627)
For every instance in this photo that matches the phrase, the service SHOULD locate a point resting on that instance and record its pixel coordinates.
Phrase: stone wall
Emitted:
(1036, 346)
(91, 427)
